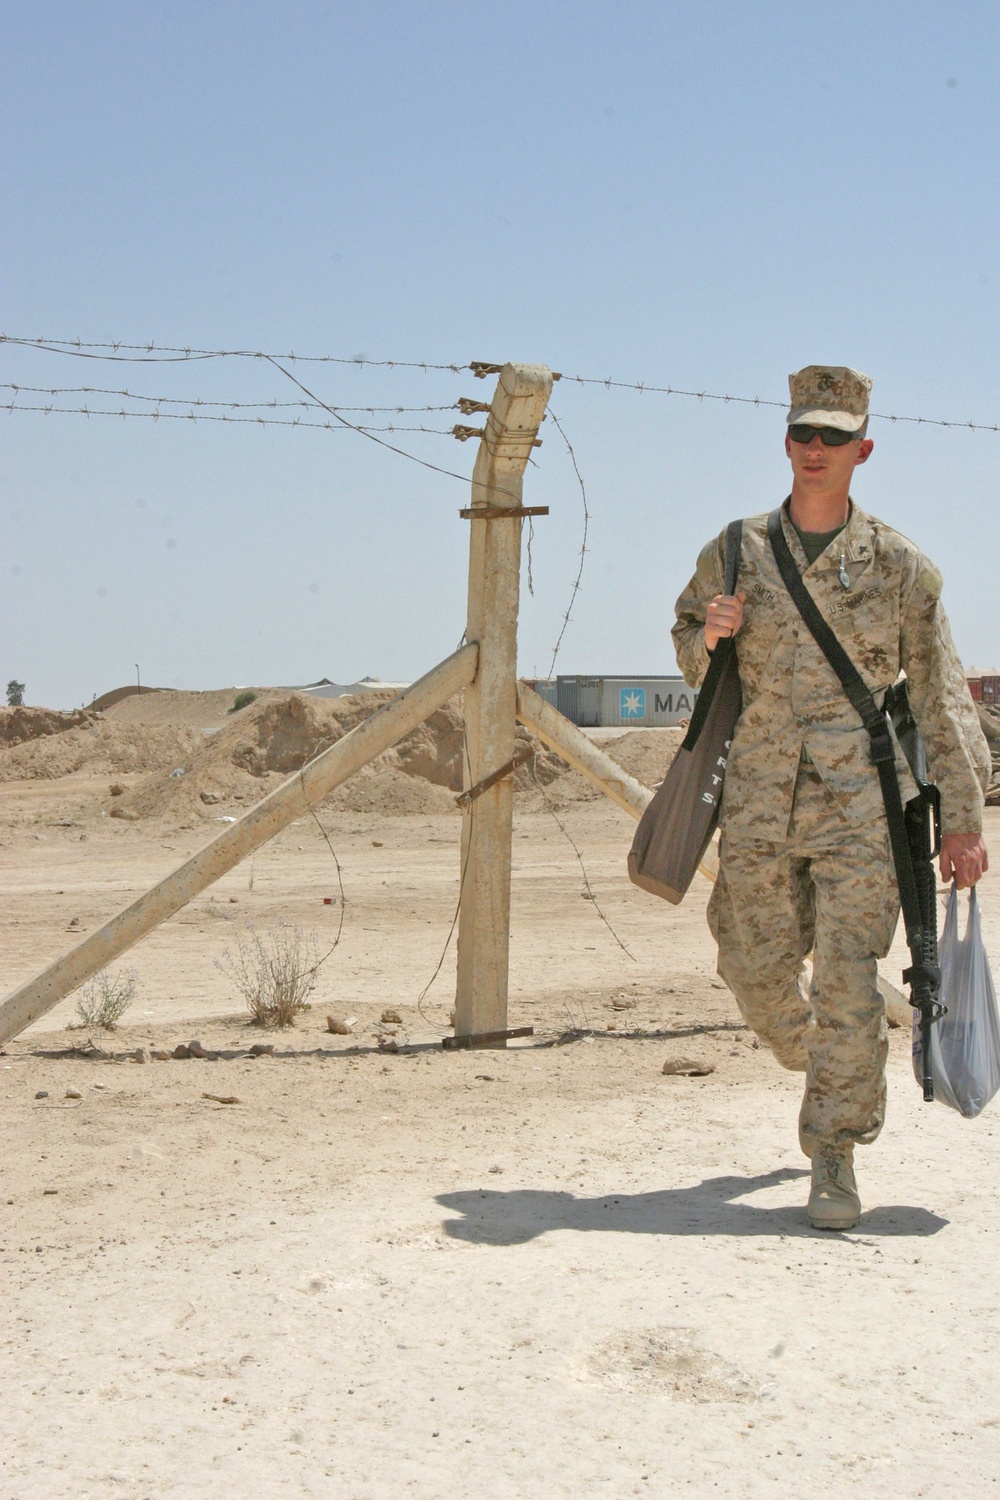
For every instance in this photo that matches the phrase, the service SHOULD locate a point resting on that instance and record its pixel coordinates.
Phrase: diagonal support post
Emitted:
(515, 415)
(562, 736)
(293, 797)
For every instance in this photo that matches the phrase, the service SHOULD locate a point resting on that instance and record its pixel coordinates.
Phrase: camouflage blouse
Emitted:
(889, 620)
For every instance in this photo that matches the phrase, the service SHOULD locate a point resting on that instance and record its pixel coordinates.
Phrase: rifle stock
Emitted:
(922, 816)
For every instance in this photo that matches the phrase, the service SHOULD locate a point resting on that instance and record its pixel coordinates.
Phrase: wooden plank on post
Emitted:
(518, 406)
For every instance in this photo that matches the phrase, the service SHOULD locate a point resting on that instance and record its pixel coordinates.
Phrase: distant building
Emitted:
(327, 689)
(985, 685)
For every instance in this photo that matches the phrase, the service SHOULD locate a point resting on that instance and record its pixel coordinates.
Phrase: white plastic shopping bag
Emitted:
(965, 1043)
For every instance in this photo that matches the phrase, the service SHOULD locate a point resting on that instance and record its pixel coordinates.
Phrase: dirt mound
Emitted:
(98, 747)
(17, 725)
(109, 699)
(644, 753)
(204, 763)
(202, 710)
(281, 736)
(272, 739)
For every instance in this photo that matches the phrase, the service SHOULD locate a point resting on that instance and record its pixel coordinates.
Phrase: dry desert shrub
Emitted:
(106, 998)
(273, 971)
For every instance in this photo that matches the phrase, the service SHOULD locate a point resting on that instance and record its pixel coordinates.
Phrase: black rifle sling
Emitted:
(725, 647)
(874, 719)
(883, 754)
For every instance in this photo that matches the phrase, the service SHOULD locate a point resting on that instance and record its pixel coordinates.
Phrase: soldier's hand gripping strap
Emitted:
(924, 974)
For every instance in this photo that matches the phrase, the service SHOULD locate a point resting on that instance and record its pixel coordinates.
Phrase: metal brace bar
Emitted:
(464, 433)
(495, 512)
(484, 1038)
(464, 799)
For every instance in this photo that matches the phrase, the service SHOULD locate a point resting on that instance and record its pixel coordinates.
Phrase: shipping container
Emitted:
(625, 702)
(984, 685)
(545, 687)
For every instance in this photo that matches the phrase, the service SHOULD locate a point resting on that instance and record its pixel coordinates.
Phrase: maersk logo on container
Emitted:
(633, 703)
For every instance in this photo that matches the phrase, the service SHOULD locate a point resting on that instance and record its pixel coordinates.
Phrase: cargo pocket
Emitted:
(715, 901)
(885, 907)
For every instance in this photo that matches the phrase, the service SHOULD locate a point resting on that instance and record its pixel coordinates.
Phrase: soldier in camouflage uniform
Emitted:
(805, 864)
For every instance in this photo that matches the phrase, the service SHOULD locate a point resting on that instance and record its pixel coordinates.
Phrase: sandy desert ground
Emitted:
(392, 1270)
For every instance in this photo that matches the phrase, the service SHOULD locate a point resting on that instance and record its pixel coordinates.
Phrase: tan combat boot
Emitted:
(833, 1198)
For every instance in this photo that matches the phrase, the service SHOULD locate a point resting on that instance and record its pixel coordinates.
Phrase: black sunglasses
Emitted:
(833, 437)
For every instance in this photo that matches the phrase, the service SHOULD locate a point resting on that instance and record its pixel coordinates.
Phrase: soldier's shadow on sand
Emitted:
(710, 1207)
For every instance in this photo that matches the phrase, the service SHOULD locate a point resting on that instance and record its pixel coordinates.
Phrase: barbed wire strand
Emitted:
(152, 353)
(573, 845)
(271, 405)
(365, 429)
(583, 543)
(566, 618)
(451, 932)
(423, 462)
(467, 763)
(56, 346)
(340, 878)
(670, 390)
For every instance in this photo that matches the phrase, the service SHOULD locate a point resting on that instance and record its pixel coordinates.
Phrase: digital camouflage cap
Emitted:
(829, 396)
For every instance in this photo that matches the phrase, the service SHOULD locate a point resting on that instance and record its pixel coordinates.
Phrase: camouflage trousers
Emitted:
(829, 888)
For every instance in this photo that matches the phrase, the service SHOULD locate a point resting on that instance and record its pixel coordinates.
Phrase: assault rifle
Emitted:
(922, 819)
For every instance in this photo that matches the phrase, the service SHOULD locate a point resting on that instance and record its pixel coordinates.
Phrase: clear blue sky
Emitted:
(703, 197)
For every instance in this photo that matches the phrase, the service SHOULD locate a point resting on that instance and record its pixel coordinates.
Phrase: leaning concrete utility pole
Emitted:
(490, 700)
